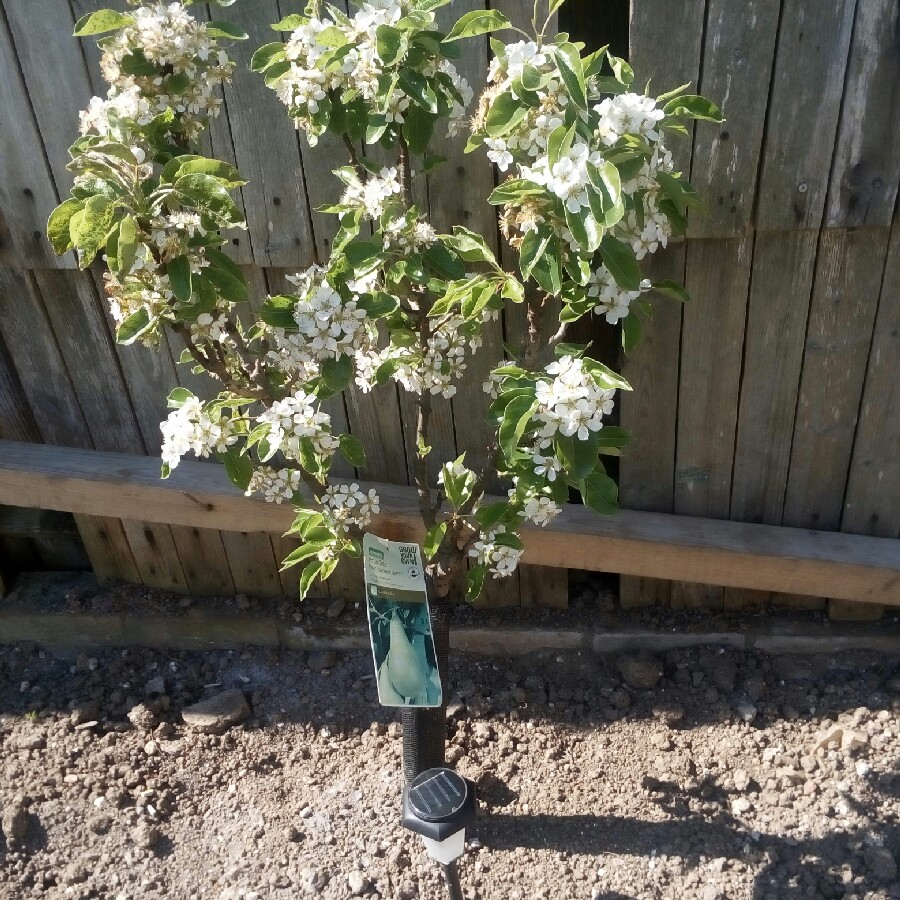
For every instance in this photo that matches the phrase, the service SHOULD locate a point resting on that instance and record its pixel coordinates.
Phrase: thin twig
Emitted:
(361, 170)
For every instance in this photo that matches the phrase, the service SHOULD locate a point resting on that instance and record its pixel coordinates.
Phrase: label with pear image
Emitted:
(399, 624)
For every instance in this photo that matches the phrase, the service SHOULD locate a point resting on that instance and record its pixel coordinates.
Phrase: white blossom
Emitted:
(572, 404)
(190, 429)
(610, 300)
(276, 486)
(297, 418)
(628, 114)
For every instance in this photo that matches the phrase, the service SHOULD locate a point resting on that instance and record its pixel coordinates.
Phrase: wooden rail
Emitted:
(656, 545)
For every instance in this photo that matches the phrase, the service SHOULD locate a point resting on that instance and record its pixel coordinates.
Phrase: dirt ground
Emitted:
(703, 773)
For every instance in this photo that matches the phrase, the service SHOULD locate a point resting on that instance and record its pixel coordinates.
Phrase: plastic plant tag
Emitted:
(400, 625)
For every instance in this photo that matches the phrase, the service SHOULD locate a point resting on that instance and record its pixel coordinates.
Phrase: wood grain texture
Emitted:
(266, 151)
(841, 319)
(803, 114)
(253, 564)
(738, 55)
(27, 190)
(773, 356)
(872, 498)
(647, 471)
(708, 551)
(866, 169)
(718, 273)
(42, 31)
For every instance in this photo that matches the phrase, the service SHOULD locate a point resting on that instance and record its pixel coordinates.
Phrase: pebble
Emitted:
(881, 863)
(143, 717)
(741, 805)
(640, 671)
(146, 836)
(216, 713)
(335, 608)
(359, 884)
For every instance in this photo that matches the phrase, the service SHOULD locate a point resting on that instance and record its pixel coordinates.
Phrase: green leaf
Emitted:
(290, 23)
(514, 190)
(547, 270)
(90, 227)
(571, 68)
(619, 258)
(352, 450)
(308, 576)
(600, 493)
(295, 557)
(469, 246)
(102, 21)
(694, 107)
(516, 418)
(178, 397)
(230, 288)
(225, 30)
(442, 262)
(218, 259)
(475, 582)
(378, 305)
(675, 92)
(418, 89)
(579, 458)
(672, 289)
(207, 195)
(631, 333)
(606, 198)
(267, 55)
(179, 272)
(505, 113)
(477, 22)
(433, 540)
(138, 65)
(337, 373)
(605, 376)
(134, 326)
(623, 72)
(238, 467)
(127, 245)
(477, 299)
(278, 312)
(418, 128)
(227, 174)
(391, 44)
(58, 225)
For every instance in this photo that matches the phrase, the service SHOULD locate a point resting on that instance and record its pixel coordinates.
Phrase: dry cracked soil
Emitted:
(697, 774)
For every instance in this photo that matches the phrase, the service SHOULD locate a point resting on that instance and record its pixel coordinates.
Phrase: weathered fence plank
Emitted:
(718, 273)
(650, 414)
(27, 190)
(654, 544)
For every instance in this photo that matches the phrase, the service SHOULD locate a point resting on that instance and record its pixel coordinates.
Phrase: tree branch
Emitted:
(361, 170)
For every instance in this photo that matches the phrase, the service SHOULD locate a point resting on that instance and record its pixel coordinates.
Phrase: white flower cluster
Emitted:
(307, 83)
(645, 227)
(571, 404)
(294, 419)
(191, 429)
(611, 300)
(189, 67)
(328, 327)
(501, 561)
(408, 236)
(628, 114)
(568, 178)
(345, 504)
(374, 194)
(276, 485)
(529, 139)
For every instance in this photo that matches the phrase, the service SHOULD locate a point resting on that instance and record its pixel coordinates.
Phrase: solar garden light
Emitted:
(439, 805)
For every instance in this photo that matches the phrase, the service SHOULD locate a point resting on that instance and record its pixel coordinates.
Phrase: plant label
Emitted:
(399, 624)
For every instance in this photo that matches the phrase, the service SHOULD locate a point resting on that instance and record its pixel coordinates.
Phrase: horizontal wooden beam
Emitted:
(655, 545)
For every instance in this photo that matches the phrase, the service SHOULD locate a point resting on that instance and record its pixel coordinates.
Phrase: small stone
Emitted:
(325, 659)
(146, 836)
(741, 805)
(862, 768)
(640, 671)
(741, 779)
(151, 748)
(359, 884)
(456, 710)
(824, 739)
(155, 686)
(853, 740)
(454, 754)
(14, 821)
(216, 713)
(336, 608)
(408, 891)
(745, 708)
(620, 699)
(293, 835)
(881, 863)
(661, 742)
(32, 742)
(86, 711)
(143, 717)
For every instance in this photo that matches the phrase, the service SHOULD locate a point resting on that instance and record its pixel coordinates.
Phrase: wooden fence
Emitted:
(770, 398)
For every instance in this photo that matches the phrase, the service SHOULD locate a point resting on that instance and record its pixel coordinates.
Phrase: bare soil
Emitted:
(703, 773)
